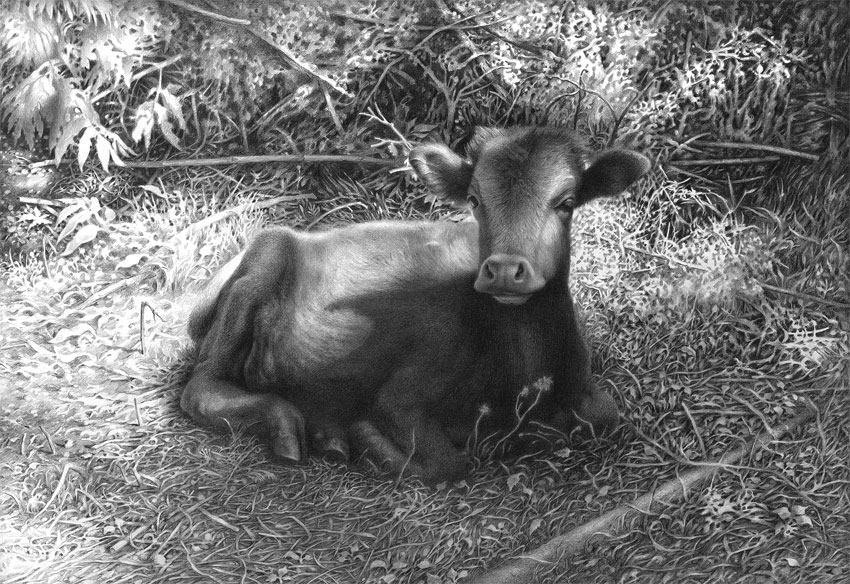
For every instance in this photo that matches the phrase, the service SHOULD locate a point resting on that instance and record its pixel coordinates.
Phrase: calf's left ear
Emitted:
(611, 174)
(446, 174)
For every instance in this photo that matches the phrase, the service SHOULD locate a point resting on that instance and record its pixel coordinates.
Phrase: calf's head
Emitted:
(522, 185)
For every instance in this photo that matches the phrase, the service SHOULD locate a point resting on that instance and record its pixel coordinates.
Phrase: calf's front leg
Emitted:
(401, 437)
(224, 405)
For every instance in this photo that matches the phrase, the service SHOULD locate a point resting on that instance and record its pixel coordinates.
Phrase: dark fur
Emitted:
(375, 333)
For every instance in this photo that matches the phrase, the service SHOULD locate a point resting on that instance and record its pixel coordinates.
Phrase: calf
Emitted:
(393, 335)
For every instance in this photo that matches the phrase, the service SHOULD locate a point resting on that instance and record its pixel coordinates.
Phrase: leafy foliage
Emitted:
(75, 49)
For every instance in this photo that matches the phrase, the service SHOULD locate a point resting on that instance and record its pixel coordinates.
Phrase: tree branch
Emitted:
(269, 158)
(522, 569)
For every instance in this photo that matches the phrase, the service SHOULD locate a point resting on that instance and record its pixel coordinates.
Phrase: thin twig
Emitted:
(763, 148)
(334, 210)
(804, 296)
(696, 430)
(293, 59)
(138, 411)
(109, 290)
(142, 308)
(209, 13)
(50, 443)
(58, 488)
(241, 210)
(139, 75)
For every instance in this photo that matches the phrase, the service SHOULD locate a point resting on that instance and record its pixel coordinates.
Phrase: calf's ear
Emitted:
(445, 173)
(611, 174)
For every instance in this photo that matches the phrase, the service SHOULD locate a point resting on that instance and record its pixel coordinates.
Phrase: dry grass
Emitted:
(699, 357)
(712, 318)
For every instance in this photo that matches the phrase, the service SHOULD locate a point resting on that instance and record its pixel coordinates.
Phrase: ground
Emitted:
(105, 480)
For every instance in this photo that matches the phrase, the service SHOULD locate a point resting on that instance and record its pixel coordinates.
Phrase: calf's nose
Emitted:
(504, 274)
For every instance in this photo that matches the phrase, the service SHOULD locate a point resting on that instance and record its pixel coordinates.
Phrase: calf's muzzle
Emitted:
(510, 279)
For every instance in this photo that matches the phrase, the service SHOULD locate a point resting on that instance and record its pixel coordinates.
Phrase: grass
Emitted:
(107, 481)
(715, 299)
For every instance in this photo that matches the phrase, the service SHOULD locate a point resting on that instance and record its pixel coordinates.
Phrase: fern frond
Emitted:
(26, 42)
(33, 105)
(63, 10)
(106, 56)
(77, 113)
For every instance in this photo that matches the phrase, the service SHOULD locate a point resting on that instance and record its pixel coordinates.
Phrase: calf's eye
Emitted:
(473, 201)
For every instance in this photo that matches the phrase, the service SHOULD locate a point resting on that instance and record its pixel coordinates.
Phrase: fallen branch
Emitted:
(265, 158)
(724, 161)
(522, 569)
(762, 148)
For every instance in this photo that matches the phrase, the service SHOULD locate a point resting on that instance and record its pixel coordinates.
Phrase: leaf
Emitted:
(792, 562)
(535, 525)
(29, 40)
(154, 190)
(159, 560)
(84, 235)
(84, 146)
(376, 564)
(172, 104)
(82, 216)
(168, 132)
(74, 206)
(104, 151)
(71, 333)
(513, 481)
(74, 112)
(131, 260)
(32, 105)
(144, 123)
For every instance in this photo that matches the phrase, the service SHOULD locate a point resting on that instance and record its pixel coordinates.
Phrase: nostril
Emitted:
(488, 271)
(520, 272)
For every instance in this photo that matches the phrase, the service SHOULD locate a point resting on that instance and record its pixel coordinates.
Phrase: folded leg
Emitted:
(224, 405)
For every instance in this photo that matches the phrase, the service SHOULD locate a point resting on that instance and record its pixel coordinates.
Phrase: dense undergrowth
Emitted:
(715, 293)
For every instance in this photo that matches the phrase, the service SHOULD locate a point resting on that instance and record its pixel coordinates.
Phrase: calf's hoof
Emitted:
(330, 442)
(287, 433)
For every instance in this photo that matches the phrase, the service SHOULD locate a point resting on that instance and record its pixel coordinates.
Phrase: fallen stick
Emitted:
(263, 158)
(761, 147)
(521, 570)
(724, 161)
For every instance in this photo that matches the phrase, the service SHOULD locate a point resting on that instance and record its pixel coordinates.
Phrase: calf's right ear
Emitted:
(611, 174)
(446, 174)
